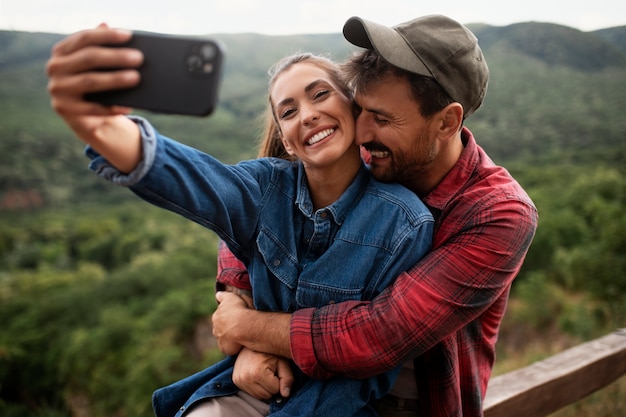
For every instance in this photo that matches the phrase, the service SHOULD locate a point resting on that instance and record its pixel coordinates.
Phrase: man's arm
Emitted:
(231, 272)
(466, 273)
(235, 325)
(462, 277)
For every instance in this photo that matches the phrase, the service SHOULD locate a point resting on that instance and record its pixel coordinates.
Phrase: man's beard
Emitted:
(406, 167)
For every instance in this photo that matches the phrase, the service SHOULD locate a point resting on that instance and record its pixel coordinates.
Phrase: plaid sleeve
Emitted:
(230, 270)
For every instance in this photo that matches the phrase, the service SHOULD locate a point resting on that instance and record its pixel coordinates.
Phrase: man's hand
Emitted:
(225, 321)
(235, 326)
(262, 375)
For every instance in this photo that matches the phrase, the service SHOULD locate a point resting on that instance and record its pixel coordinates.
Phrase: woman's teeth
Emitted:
(319, 136)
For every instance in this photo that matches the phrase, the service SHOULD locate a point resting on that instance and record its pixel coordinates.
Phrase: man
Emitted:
(415, 83)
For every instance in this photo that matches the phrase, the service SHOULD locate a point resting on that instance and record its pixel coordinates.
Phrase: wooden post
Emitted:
(548, 385)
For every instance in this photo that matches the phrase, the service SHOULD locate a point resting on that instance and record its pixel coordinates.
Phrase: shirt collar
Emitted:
(340, 208)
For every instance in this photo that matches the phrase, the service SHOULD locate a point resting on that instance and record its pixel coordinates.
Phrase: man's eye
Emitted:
(380, 120)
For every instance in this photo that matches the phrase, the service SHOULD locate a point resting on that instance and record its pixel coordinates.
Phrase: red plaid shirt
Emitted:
(446, 311)
(230, 270)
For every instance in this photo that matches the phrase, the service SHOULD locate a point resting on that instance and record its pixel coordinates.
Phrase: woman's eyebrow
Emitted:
(307, 88)
(312, 85)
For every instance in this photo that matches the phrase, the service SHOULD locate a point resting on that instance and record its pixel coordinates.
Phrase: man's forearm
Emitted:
(236, 325)
(266, 332)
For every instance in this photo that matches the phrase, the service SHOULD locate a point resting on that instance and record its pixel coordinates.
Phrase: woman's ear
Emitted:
(285, 144)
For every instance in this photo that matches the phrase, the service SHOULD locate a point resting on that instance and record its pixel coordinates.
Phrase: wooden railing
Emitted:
(548, 385)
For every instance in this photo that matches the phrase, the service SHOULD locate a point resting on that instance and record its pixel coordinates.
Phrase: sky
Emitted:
(286, 17)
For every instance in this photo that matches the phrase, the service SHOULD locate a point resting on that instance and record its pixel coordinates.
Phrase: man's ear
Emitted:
(451, 120)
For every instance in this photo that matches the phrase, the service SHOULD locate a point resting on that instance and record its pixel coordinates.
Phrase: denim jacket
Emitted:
(296, 257)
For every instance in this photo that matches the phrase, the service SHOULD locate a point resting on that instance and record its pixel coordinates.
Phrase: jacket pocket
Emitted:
(280, 261)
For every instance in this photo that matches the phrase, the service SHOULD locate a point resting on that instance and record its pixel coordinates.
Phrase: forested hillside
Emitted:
(553, 89)
(103, 299)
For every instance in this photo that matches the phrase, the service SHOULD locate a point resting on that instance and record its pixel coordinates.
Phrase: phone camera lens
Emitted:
(207, 51)
(200, 60)
(207, 68)
(194, 62)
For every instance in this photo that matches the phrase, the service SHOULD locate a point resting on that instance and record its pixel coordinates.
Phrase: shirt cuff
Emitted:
(104, 169)
(301, 343)
(235, 277)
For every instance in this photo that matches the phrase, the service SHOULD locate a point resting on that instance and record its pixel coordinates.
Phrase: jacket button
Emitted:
(276, 262)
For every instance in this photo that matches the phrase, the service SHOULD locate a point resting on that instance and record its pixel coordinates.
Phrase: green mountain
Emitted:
(558, 45)
(554, 92)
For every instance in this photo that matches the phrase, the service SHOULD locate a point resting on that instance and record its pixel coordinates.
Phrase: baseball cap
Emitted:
(434, 46)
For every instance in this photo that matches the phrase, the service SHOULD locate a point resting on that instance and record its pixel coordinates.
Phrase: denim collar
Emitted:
(339, 209)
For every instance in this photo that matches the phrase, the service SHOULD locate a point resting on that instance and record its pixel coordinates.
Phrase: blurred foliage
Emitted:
(100, 303)
(581, 238)
(104, 299)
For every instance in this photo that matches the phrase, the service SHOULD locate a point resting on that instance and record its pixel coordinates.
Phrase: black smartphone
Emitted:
(179, 75)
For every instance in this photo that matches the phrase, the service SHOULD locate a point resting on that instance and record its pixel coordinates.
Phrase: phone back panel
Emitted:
(179, 75)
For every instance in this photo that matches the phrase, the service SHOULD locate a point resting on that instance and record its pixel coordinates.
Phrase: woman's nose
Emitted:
(309, 114)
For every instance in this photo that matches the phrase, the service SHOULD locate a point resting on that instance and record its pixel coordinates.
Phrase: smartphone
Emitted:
(179, 75)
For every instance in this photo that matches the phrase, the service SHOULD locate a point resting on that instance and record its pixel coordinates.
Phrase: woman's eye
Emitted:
(286, 113)
(321, 93)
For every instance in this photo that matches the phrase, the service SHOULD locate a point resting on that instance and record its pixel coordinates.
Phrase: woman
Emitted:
(311, 232)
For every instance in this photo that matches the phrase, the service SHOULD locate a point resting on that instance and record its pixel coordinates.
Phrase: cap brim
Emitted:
(388, 42)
